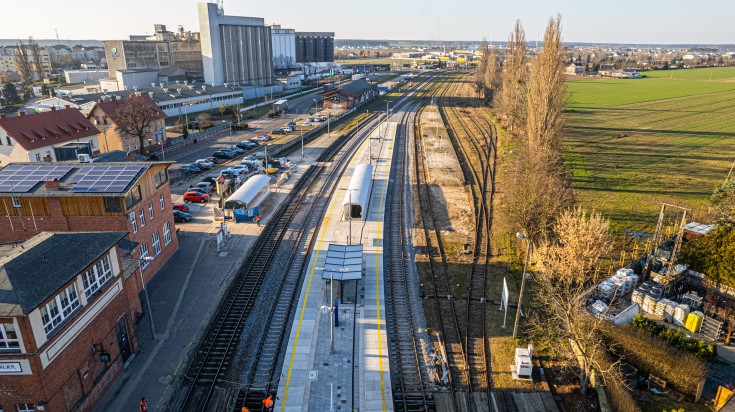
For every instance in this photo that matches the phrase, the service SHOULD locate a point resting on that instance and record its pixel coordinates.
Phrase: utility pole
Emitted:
(523, 283)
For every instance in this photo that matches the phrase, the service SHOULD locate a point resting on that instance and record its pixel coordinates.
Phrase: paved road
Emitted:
(297, 107)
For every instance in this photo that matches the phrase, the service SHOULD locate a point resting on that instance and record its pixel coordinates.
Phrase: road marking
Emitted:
(311, 274)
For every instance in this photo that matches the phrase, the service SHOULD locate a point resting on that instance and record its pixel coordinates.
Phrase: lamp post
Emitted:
(104, 131)
(523, 283)
(302, 140)
(266, 158)
(515, 176)
(145, 292)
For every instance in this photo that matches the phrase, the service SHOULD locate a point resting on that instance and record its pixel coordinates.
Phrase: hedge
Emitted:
(675, 338)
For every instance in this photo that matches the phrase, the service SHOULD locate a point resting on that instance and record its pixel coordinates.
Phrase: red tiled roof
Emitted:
(110, 107)
(43, 129)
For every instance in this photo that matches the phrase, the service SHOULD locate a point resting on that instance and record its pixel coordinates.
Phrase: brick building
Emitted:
(349, 95)
(104, 116)
(66, 324)
(55, 135)
(131, 197)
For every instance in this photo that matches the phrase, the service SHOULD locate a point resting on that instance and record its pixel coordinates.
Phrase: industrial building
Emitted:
(235, 50)
(163, 50)
(284, 48)
(314, 47)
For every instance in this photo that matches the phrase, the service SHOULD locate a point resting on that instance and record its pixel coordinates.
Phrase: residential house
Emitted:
(606, 69)
(105, 116)
(51, 136)
(576, 69)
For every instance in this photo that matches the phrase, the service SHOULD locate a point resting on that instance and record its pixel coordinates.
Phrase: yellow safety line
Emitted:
(377, 269)
(311, 274)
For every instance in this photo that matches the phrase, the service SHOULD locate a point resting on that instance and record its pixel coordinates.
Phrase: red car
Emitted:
(196, 197)
(182, 207)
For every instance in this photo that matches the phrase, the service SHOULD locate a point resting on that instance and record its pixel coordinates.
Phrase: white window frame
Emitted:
(5, 341)
(135, 146)
(25, 407)
(150, 210)
(142, 218)
(156, 242)
(166, 233)
(134, 220)
(59, 308)
(163, 203)
(97, 276)
(16, 201)
(144, 253)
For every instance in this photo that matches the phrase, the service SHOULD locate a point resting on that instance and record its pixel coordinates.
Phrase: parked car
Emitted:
(202, 165)
(310, 119)
(232, 172)
(263, 137)
(289, 128)
(194, 196)
(245, 145)
(180, 216)
(291, 123)
(209, 162)
(251, 164)
(181, 207)
(214, 160)
(189, 168)
(306, 124)
(207, 185)
(210, 179)
(223, 154)
(241, 168)
(259, 155)
(280, 130)
(236, 149)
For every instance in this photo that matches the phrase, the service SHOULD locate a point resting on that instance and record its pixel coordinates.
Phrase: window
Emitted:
(132, 197)
(16, 202)
(163, 204)
(25, 407)
(161, 177)
(112, 204)
(104, 120)
(8, 338)
(127, 148)
(156, 244)
(150, 210)
(38, 157)
(144, 253)
(135, 146)
(142, 218)
(166, 233)
(97, 276)
(10, 142)
(134, 221)
(59, 308)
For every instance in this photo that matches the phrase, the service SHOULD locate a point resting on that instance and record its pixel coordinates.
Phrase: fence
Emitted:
(178, 144)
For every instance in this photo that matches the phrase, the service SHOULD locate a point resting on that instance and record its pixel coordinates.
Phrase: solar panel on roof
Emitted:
(104, 179)
(22, 178)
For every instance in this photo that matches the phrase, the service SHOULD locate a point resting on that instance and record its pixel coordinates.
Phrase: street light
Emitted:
(145, 292)
(520, 235)
(104, 131)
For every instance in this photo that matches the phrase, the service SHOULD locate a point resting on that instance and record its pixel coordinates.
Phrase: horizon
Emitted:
(645, 24)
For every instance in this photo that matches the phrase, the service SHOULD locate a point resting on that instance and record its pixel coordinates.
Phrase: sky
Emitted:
(590, 21)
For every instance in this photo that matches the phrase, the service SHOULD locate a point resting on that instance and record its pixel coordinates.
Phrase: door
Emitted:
(122, 339)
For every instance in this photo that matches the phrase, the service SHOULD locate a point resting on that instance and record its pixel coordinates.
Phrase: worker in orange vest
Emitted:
(245, 409)
(268, 402)
(143, 405)
(257, 219)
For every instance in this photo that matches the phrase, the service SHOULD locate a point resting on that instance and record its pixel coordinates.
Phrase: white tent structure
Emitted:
(358, 194)
(250, 194)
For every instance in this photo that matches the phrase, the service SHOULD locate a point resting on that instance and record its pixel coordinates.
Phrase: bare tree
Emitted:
(547, 96)
(515, 77)
(134, 117)
(492, 80)
(203, 119)
(566, 268)
(24, 64)
(36, 54)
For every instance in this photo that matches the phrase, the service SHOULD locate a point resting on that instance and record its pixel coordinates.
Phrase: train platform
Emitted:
(356, 375)
(184, 294)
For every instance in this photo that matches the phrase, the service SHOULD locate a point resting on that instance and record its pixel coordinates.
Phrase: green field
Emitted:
(634, 143)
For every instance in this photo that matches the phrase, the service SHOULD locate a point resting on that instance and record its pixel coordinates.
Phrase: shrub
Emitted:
(683, 371)
(240, 126)
(675, 338)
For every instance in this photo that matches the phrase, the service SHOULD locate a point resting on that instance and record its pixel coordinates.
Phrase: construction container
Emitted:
(694, 321)
(680, 315)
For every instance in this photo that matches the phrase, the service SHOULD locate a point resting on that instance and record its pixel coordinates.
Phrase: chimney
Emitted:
(66, 106)
(131, 157)
(100, 100)
(52, 184)
(2, 116)
(48, 159)
(21, 113)
(53, 108)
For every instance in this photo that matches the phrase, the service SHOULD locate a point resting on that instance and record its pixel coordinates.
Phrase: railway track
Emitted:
(219, 343)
